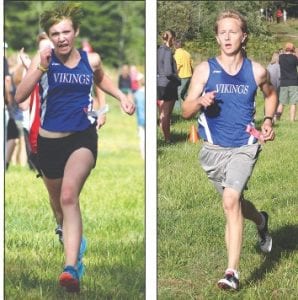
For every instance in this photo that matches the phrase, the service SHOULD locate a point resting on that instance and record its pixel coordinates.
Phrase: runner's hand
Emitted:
(268, 131)
(45, 56)
(101, 121)
(207, 99)
(127, 105)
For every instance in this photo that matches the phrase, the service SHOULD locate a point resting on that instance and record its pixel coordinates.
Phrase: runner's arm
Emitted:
(107, 85)
(270, 95)
(36, 69)
(195, 100)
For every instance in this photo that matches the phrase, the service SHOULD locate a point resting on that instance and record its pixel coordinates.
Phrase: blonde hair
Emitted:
(234, 15)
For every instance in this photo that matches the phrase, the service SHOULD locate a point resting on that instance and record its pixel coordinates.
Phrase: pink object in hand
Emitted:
(254, 132)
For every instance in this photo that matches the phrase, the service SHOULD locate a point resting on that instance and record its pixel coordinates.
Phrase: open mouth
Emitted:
(62, 46)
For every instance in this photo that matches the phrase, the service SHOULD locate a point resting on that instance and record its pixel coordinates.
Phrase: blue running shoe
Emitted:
(81, 269)
(70, 280)
(80, 265)
(83, 248)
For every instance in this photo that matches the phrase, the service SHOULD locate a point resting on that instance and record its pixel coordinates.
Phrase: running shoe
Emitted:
(265, 238)
(80, 269)
(59, 231)
(83, 248)
(69, 279)
(230, 281)
(80, 265)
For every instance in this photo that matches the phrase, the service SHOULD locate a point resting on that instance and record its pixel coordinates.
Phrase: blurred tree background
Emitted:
(115, 29)
(193, 22)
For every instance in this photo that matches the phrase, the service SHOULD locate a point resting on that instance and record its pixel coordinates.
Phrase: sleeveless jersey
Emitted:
(66, 96)
(224, 123)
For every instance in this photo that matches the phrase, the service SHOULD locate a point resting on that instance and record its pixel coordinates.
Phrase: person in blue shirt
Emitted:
(67, 141)
(139, 98)
(223, 90)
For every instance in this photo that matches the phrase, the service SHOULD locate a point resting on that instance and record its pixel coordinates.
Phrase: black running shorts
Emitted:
(168, 93)
(53, 153)
(12, 130)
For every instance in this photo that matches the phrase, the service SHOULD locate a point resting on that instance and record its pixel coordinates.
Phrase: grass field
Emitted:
(285, 32)
(112, 204)
(191, 249)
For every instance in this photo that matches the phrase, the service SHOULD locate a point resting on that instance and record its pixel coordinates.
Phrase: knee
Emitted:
(231, 204)
(67, 197)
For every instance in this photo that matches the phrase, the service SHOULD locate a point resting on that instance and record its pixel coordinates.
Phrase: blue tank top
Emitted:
(66, 96)
(224, 123)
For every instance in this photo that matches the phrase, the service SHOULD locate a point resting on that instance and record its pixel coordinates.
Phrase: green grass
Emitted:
(285, 32)
(191, 249)
(112, 204)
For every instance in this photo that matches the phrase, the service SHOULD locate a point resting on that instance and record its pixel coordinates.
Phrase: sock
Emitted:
(262, 225)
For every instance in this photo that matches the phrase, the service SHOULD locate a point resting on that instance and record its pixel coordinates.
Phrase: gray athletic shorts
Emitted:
(288, 95)
(229, 167)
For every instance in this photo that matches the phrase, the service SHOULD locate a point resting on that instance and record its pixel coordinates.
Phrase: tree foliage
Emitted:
(193, 20)
(115, 29)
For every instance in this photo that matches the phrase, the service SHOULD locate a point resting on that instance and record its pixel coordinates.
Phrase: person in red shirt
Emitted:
(279, 15)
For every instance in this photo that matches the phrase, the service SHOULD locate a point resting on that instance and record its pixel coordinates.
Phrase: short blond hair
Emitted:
(234, 15)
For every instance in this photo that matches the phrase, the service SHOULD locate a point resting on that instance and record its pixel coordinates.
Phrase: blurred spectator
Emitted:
(124, 81)
(139, 97)
(134, 78)
(86, 46)
(274, 74)
(7, 87)
(16, 149)
(32, 106)
(167, 82)
(279, 15)
(288, 62)
(10, 131)
(285, 15)
(270, 14)
(184, 68)
(99, 97)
